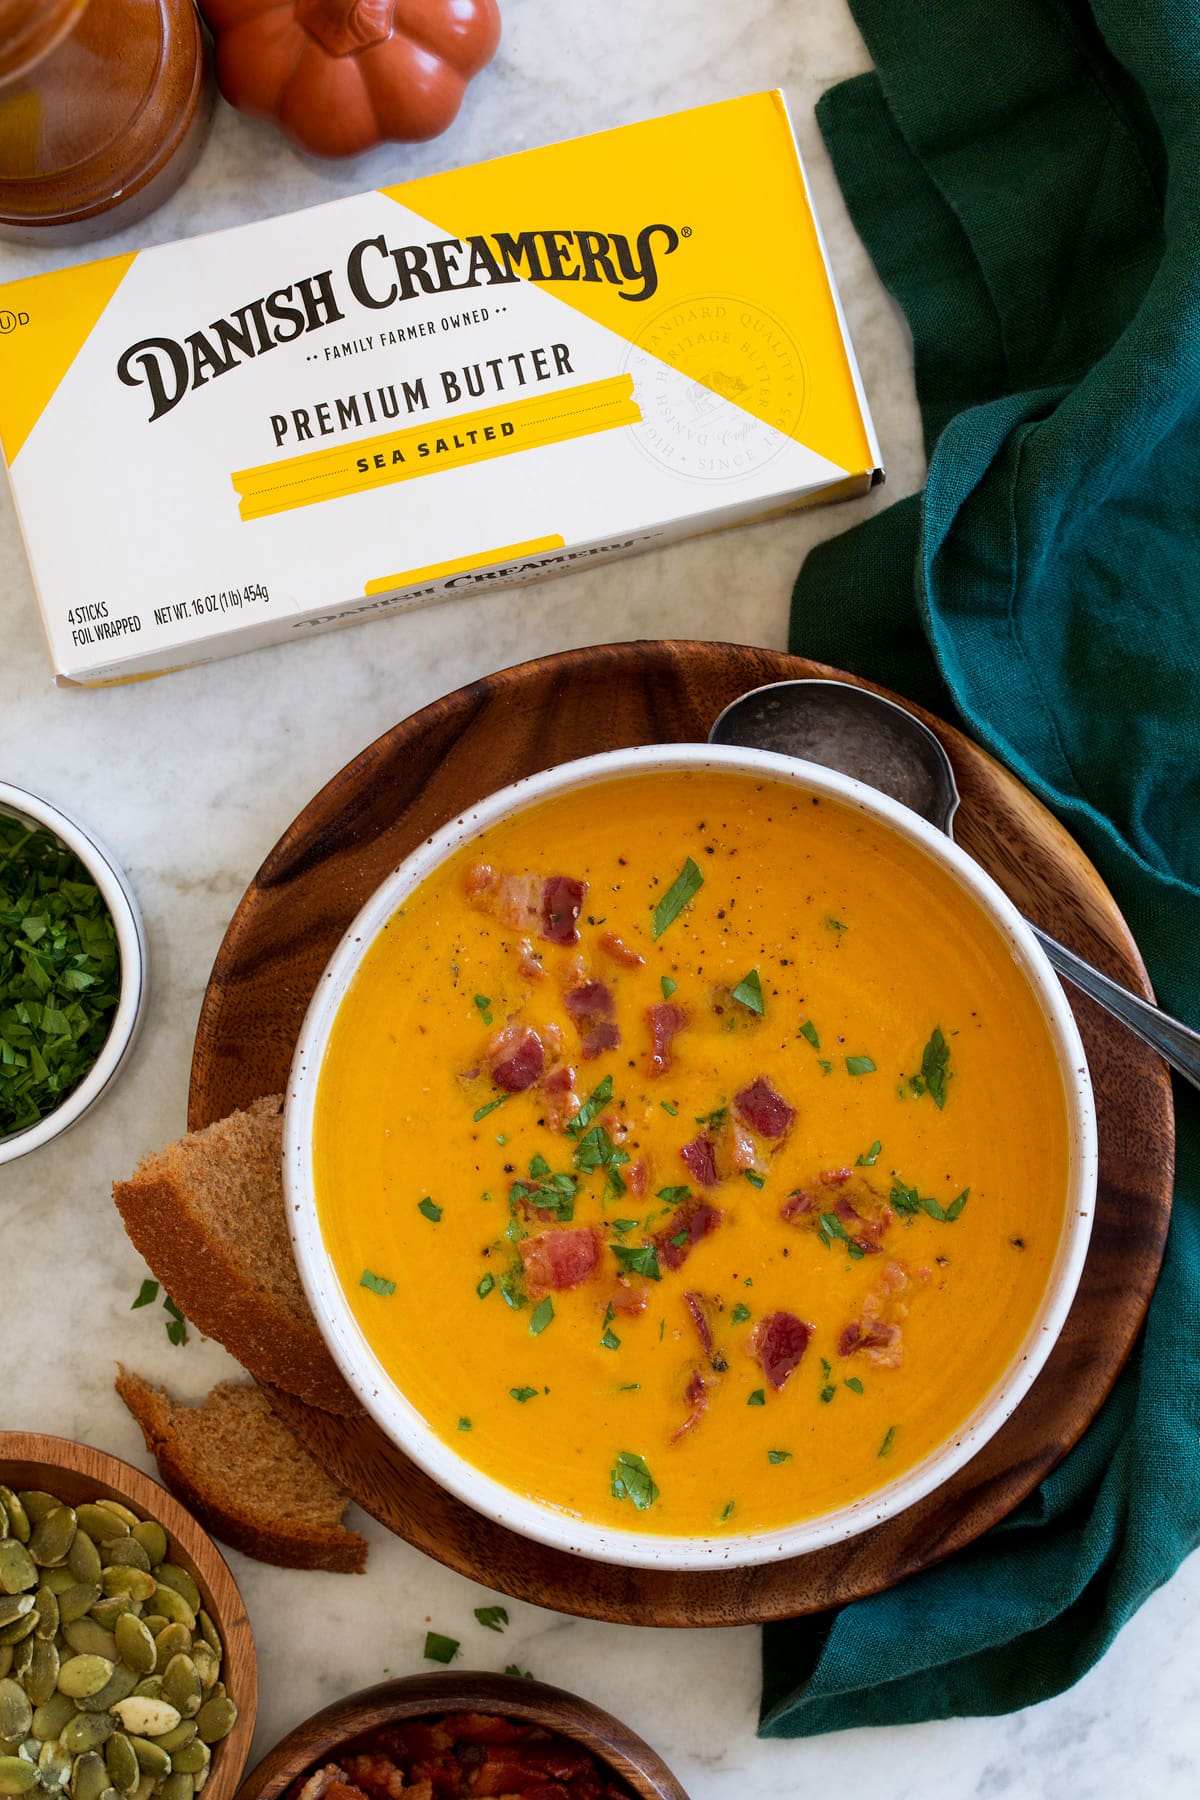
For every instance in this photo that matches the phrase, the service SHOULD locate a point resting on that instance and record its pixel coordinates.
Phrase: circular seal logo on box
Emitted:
(718, 381)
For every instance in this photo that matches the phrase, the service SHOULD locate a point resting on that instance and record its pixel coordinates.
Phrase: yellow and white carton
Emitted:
(473, 380)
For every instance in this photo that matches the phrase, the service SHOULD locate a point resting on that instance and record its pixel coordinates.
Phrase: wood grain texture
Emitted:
(75, 1473)
(426, 771)
(335, 1729)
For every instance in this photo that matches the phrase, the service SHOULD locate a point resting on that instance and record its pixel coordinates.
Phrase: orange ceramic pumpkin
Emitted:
(340, 76)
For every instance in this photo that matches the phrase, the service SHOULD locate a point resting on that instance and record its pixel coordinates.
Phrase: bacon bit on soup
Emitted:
(835, 1177)
(779, 1341)
(529, 962)
(689, 1223)
(696, 1396)
(698, 1307)
(591, 1006)
(863, 1214)
(664, 1020)
(620, 952)
(701, 1159)
(562, 903)
(516, 1058)
(764, 1109)
(465, 1756)
(736, 1150)
(880, 1343)
(797, 1206)
(559, 1259)
(637, 1178)
(627, 1299)
(560, 1101)
(516, 900)
(876, 1333)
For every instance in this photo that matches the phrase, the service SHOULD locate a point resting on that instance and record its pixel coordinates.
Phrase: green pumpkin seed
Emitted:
(153, 1539)
(4, 1526)
(89, 1777)
(135, 1583)
(6, 1659)
(152, 1758)
(18, 1571)
(23, 1657)
(125, 1553)
(87, 1731)
(208, 1664)
(211, 1635)
(54, 1765)
(15, 1606)
(178, 1787)
(20, 1628)
(50, 1720)
(100, 1523)
(122, 1763)
(192, 1758)
(120, 1686)
(215, 1720)
(87, 1638)
(16, 1714)
(145, 1788)
(75, 1601)
(83, 1558)
(37, 1504)
(145, 1717)
(108, 1609)
(183, 1734)
(18, 1524)
(181, 1686)
(47, 1609)
(83, 1676)
(11, 1747)
(136, 1646)
(125, 1513)
(154, 1623)
(52, 1537)
(172, 1640)
(172, 1576)
(60, 1579)
(170, 1604)
(16, 1775)
(41, 1679)
(149, 1688)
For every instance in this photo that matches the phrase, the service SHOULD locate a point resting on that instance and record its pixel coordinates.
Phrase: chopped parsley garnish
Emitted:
(491, 1106)
(680, 1238)
(669, 1108)
(832, 1227)
(512, 1669)
(512, 1285)
(674, 1196)
(779, 1456)
(869, 1157)
(808, 1030)
(757, 1398)
(492, 1618)
(727, 1510)
(754, 1178)
(854, 1384)
(859, 1065)
(464, 1424)
(176, 1324)
(145, 1294)
(483, 1003)
(713, 1121)
(522, 1394)
(686, 884)
(440, 1649)
(668, 987)
(623, 1225)
(598, 1151)
(378, 1284)
(486, 1285)
(829, 1390)
(739, 1315)
(826, 1066)
(599, 1096)
(889, 1438)
(836, 925)
(610, 1340)
(748, 993)
(935, 1070)
(59, 973)
(631, 1480)
(640, 1261)
(430, 1209)
(543, 1312)
(907, 1201)
(550, 1193)
(629, 1387)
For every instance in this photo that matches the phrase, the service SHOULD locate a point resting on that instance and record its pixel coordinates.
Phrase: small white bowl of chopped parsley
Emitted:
(72, 971)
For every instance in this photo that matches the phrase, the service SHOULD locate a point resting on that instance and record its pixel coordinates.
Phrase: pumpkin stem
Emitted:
(344, 27)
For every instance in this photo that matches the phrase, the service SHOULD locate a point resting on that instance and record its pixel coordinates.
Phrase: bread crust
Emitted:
(261, 1317)
(236, 1498)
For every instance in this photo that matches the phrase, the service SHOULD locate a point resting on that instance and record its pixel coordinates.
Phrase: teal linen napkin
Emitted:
(1026, 175)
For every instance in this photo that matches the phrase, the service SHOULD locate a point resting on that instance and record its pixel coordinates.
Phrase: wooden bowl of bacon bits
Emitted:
(461, 1736)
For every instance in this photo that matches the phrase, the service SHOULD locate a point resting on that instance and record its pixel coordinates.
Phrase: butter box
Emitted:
(476, 379)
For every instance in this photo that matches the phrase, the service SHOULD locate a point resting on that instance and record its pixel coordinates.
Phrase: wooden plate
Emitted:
(430, 768)
(75, 1473)
(328, 1733)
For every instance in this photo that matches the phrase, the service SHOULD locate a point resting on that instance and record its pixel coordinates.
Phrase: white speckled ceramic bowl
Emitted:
(400, 1420)
(131, 944)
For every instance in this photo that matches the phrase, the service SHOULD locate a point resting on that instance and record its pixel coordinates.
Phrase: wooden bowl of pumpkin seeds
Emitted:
(127, 1667)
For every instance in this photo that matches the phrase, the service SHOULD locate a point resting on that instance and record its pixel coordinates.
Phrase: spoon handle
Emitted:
(1176, 1043)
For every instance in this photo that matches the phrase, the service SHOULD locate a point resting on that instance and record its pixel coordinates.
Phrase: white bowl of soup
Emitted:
(690, 1156)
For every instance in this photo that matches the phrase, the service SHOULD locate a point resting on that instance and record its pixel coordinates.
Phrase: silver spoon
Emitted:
(863, 735)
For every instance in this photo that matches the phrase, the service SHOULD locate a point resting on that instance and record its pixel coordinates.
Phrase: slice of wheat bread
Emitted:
(245, 1476)
(207, 1214)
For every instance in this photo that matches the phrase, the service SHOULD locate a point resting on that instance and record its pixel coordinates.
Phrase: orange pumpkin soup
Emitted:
(691, 1153)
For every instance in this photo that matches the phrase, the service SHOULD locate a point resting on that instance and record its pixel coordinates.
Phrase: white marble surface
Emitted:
(191, 779)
